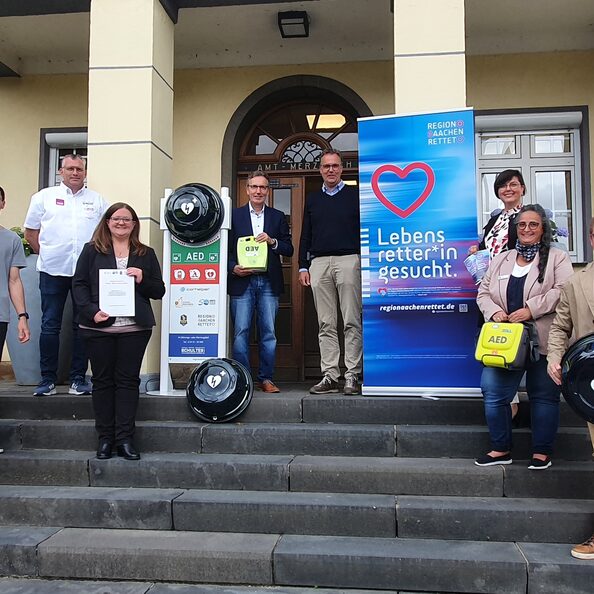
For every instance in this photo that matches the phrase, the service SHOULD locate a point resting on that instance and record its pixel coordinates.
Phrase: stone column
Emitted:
(130, 142)
(429, 55)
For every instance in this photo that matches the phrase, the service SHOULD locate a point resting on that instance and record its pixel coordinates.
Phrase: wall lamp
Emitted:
(293, 23)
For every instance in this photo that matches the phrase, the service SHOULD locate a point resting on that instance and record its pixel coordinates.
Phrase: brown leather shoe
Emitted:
(268, 386)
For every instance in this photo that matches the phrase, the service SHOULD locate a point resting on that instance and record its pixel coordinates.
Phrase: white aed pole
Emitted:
(194, 318)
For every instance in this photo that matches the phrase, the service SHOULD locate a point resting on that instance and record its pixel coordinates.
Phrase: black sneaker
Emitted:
(537, 464)
(326, 386)
(487, 460)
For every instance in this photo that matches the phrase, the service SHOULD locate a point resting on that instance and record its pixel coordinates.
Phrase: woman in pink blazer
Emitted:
(524, 284)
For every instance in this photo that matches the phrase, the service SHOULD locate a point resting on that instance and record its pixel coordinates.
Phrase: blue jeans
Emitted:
(257, 297)
(54, 291)
(500, 385)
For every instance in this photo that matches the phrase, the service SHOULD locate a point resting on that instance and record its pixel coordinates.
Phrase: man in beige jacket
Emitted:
(574, 319)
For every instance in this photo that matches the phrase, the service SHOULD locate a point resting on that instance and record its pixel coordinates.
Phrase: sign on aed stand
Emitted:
(194, 300)
(418, 220)
(196, 221)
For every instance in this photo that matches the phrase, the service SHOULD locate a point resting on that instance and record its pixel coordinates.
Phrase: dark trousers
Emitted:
(3, 329)
(115, 362)
(54, 291)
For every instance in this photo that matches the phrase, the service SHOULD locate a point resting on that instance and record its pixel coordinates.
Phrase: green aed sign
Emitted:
(203, 254)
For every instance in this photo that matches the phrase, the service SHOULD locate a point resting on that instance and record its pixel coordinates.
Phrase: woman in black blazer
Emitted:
(499, 234)
(116, 345)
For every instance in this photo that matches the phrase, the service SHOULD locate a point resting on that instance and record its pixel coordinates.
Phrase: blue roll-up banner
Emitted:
(418, 220)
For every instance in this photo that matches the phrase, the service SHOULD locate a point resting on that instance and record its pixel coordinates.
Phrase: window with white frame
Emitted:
(62, 144)
(546, 148)
(55, 144)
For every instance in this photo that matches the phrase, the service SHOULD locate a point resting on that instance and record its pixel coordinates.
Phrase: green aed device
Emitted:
(503, 345)
(251, 254)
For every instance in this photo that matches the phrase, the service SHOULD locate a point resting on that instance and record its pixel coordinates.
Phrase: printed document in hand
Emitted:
(477, 265)
(116, 292)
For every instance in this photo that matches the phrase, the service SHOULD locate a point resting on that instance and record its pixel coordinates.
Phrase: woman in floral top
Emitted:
(498, 234)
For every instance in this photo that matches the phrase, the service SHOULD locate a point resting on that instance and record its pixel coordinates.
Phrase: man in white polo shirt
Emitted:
(60, 220)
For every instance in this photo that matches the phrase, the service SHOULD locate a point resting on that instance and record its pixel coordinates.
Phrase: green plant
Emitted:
(26, 244)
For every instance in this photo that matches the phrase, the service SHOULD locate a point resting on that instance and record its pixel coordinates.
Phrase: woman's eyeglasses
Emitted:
(511, 185)
(126, 220)
(530, 225)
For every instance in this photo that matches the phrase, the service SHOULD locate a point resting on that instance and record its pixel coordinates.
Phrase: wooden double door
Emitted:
(297, 351)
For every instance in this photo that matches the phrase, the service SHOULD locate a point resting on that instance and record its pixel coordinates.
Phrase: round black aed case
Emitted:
(219, 390)
(194, 213)
(577, 369)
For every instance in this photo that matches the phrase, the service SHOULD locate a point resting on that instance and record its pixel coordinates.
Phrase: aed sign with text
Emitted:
(194, 300)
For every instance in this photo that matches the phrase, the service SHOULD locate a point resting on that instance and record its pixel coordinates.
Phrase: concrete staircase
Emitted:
(332, 493)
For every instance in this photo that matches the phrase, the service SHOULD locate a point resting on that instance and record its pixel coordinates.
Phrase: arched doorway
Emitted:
(285, 137)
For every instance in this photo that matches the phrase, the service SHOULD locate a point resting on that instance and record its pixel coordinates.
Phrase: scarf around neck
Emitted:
(528, 252)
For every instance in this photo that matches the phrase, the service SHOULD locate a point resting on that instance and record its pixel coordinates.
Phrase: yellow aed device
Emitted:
(503, 345)
(251, 254)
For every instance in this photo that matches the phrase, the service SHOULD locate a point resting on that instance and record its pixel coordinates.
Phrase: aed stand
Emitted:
(196, 222)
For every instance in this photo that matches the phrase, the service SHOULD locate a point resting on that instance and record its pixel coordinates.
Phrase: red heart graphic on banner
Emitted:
(402, 173)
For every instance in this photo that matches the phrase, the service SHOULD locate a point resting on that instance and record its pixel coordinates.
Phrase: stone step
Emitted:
(87, 507)
(302, 561)
(250, 438)
(459, 518)
(45, 467)
(443, 518)
(202, 471)
(439, 566)
(40, 586)
(290, 406)
(199, 510)
(317, 474)
(503, 519)
(263, 409)
(419, 441)
(408, 411)
(335, 514)
(416, 441)
(440, 476)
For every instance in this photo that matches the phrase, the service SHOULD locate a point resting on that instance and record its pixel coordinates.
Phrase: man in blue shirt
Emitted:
(257, 291)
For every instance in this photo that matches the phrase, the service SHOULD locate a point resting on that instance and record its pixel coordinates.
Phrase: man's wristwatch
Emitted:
(23, 315)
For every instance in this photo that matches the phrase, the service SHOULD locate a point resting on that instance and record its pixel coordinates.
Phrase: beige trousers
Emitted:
(336, 282)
